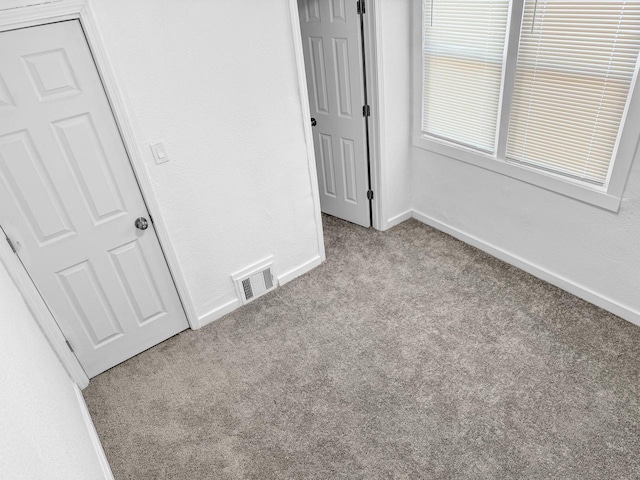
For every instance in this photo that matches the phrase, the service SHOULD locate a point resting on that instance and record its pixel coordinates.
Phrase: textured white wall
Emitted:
(217, 83)
(42, 431)
(394, 36)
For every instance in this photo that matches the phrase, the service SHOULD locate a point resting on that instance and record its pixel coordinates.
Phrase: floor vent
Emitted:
(255, 281)
(248, 290)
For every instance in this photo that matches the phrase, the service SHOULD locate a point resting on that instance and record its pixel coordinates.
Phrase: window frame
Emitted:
(607, 196)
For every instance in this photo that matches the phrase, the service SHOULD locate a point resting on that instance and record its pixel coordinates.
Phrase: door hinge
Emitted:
(11, 245)
(69, 345)
(361, 8)
(370, 194)
(366, 111)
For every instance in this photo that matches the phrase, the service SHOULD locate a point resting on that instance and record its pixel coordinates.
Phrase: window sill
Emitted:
(593, 195)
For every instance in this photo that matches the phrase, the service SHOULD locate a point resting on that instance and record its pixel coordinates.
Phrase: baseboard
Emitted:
(398, 219)
(559, 281)
(219, 311)
(300, 270)
(93, 435)
(228, 306)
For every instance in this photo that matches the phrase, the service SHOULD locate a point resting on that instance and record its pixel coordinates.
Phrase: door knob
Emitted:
(313, 122)
(142, 223)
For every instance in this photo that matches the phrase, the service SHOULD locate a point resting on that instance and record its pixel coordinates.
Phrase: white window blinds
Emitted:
(463, 57)
(576, 62)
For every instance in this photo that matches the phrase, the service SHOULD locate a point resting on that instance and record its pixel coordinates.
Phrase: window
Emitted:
(540, 90)
(464, 44)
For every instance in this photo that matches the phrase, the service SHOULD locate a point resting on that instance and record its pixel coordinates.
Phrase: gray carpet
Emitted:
(407, 355)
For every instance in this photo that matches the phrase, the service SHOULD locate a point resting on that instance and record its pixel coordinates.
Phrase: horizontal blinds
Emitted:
(575, 66)
(463, 48)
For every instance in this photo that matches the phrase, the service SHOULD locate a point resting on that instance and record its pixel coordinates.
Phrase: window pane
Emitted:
(463, 57)
(575, 66)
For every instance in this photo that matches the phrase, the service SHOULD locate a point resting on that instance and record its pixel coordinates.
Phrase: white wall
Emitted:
(394, 37)
(592, 252)
(217, 83)
(43, 434)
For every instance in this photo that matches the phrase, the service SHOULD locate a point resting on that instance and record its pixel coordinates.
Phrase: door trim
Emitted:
(41, 313)
(306, 122)
(31, 16)
(375, 96)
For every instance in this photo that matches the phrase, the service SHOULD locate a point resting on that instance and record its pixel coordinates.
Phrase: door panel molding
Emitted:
(81, 10)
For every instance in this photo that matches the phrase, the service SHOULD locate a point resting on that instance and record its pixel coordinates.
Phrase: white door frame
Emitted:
(81, 10)
(373, 50)
(375, 98)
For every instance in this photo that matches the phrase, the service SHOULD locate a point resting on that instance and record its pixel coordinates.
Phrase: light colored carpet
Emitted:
(407, 355)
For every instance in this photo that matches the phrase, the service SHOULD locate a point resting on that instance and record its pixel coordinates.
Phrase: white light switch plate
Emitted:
(159, 153)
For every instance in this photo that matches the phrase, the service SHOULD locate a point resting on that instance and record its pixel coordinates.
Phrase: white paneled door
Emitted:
(69, 201)
(334, 66)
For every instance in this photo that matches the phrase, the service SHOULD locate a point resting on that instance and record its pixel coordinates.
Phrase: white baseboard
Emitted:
(219, 311)
(300, 270)
(398, 219)
(228, 306)
(93, 435)
(559, 281)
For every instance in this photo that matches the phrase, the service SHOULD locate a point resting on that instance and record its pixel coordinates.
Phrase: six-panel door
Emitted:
(69, 199)
(333, 62)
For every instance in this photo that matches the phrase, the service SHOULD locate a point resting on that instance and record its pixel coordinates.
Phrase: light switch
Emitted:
(159, 153)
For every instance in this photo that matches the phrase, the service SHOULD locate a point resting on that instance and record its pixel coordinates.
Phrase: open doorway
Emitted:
(334, 40)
